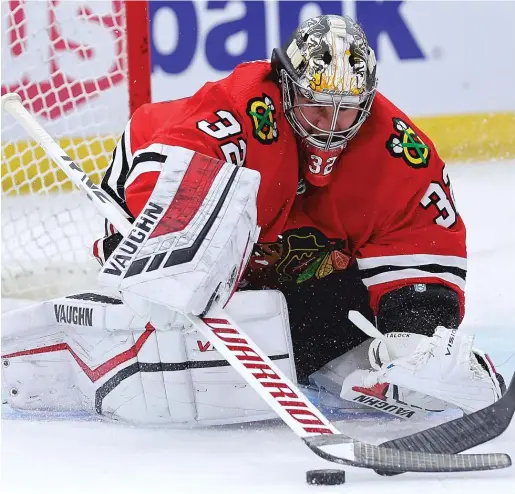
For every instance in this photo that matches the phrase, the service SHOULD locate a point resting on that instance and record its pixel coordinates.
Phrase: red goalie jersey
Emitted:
(389, 207)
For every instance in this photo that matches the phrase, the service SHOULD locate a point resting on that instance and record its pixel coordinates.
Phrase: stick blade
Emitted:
(411, 461)
(341, 449)
(462, 433)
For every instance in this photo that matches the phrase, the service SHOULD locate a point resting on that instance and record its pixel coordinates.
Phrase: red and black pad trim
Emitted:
(100, 371)
(156, 261)
(123, 357)
(132, 369)
(192, 191)
(181, 256)
(377, 390)
(137, 267)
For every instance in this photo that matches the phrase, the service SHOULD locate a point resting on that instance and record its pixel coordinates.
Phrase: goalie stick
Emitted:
(462, 433)
(456, 435)
(256, 368)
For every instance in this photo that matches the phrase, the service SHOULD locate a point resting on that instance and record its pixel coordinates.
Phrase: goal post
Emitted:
(138, 53)
(81, 68)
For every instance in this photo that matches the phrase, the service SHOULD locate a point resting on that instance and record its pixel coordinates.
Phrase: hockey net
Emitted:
(81, 67)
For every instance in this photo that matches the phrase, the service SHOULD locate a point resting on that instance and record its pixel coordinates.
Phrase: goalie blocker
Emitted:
(192, 240)
(90, 352)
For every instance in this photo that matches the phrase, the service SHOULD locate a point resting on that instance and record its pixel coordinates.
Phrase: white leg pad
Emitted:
(92, 353)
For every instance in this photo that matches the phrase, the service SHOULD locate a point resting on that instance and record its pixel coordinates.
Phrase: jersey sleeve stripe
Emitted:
(412, 260)
(114, 165)
(116, 174)
(145, 161)
(110, 178)
(114, 171)
(145, 156)
(428, 268)
(416, 274)
(143, 168)
(120, 182)
(128, 142)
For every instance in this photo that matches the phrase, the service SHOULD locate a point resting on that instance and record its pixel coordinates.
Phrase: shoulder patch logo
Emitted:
(408, 145)
(262, 114)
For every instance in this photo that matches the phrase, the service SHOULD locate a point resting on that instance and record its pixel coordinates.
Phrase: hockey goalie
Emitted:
(288, 193)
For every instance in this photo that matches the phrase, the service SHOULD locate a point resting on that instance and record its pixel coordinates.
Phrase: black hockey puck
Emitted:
(325, 477)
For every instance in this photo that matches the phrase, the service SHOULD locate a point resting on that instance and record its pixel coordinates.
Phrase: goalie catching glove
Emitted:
(192, 240)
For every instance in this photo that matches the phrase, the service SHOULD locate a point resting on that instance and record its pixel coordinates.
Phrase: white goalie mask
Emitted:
(326, 64)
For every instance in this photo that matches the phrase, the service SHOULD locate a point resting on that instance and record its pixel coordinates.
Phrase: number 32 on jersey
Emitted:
(441, 198)
(226, 127)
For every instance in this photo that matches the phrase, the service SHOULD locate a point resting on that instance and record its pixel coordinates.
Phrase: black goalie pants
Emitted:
(320, 328)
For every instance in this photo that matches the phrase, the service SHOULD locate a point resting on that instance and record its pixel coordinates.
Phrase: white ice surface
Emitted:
(70, 457)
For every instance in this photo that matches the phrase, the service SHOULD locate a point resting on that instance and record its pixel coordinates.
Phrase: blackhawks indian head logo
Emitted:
(262, 114)
(408, 145)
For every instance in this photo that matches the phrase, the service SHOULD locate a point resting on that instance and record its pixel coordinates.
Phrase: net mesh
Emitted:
(67, 60)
